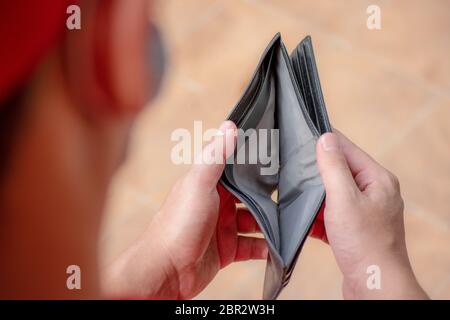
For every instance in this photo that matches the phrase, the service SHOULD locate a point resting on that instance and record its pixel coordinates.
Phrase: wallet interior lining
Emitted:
(276, 104)
(305, 69)
(247, 177)
(300, 188)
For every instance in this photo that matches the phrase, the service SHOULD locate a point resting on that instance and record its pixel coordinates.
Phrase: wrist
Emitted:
(161, 273)
(383, 276)
(143, 271)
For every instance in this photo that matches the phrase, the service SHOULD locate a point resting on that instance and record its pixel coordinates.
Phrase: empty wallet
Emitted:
(284, 94)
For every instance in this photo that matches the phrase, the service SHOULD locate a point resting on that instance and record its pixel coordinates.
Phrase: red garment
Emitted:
(28, 29)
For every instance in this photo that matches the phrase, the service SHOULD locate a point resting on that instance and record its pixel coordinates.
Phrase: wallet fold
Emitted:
(284, 98)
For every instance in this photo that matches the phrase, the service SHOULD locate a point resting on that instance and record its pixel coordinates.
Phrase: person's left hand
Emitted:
(194, 235)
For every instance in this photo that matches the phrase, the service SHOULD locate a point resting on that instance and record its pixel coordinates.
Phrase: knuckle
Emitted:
(394, 181)
(337, 163)
(401, 203)
(352, 194)
(391, 182)
(338, 160)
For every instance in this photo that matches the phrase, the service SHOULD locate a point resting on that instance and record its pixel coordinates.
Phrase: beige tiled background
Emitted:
(388, 90)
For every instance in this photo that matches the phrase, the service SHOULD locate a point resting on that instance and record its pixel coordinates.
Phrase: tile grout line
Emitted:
(341, 40)
(188, 83)
(419, 118)
(413, 209)
(424, 112)
(213, 10)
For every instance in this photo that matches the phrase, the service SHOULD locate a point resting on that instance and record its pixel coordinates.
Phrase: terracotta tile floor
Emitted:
(388, 90)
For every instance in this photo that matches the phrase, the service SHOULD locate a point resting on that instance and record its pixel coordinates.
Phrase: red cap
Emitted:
(28, 29)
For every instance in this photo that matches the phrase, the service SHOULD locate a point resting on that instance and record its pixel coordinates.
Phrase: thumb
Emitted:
(336, 175)
(210, 163)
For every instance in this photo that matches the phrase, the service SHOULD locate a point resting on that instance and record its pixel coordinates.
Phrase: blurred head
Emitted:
(67, 101)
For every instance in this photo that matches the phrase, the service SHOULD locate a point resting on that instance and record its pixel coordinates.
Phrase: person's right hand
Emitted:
(364, 221)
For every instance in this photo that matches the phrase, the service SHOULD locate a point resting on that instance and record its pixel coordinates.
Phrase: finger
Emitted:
(209, 165)
(227, 214)
(226, 232)
(246, 223)
(357, 159)
(364, 168)
(236, 199)
(318, 230)
(336, 175)
(250, 248)
(226, 195)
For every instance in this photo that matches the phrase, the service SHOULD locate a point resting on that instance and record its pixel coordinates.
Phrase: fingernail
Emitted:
(224, 127)
(329, 142)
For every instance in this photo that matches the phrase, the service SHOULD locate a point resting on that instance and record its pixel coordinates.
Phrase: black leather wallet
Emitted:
(284, 96)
